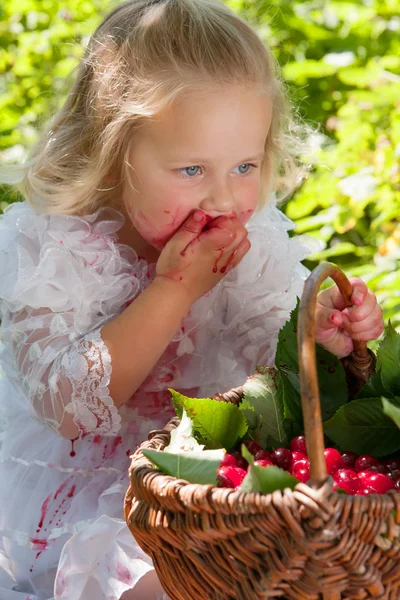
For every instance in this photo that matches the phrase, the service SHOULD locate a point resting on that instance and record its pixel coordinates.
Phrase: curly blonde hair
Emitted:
(139, 60)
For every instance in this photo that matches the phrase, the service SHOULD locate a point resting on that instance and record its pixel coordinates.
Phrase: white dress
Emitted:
(62, 531)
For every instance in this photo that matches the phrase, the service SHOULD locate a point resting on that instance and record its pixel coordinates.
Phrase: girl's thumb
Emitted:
(193, 225)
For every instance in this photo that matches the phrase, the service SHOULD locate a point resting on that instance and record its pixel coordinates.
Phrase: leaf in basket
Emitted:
(261, 392)
(391, 410)
(195, 467)
(216, 423)
(388, 361)
(362, 427)
(331, 376)
(265, 479)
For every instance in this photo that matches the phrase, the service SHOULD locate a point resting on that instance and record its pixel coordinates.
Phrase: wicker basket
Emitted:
(210, 543)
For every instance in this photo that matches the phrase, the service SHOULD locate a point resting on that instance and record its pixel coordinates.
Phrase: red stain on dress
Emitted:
(123, 574)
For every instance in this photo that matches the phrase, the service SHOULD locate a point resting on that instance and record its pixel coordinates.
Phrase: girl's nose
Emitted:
(220, 199)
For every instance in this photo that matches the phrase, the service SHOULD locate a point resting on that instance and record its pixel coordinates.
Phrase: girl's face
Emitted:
(204, 152)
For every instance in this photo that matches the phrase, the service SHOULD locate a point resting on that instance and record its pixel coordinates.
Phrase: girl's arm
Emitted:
(185, 271)
(137, 338)
(74, 384)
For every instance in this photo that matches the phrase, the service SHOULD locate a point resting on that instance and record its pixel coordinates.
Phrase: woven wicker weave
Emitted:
(311, 543)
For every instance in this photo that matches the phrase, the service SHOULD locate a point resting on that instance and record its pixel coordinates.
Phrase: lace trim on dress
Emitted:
(88, 367)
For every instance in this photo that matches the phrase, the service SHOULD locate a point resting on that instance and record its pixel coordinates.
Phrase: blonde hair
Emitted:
(139, 60)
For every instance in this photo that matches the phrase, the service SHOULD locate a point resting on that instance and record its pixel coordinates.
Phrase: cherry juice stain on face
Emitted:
(123, 574)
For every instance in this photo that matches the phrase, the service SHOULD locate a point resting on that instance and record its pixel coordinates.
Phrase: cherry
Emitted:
(233, 475)
(298, 444)
(378, 469)
(347, 480)
(241, 461)
(392, 464)
(334, 460)
(263, 455)
(252, 446)
(363, 492)
(282, 457)
(229, 461)
(349, 458)
(379, 483)
(297, 456)
(301, 470)
(263, 462)
(364, 462)
(394, 475)
(397, 484)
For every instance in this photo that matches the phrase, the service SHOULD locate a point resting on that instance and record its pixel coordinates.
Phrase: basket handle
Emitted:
(360, 363)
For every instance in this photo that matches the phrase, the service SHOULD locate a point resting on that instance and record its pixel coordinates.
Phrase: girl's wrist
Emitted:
(174, 289)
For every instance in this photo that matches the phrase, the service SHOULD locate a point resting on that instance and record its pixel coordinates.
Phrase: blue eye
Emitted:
(245, 167)
(189, 171)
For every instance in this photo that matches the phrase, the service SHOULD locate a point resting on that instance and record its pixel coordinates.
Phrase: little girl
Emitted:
(134, 265)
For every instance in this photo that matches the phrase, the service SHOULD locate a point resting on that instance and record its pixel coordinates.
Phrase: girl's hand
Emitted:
(336, 326)
(198, 259)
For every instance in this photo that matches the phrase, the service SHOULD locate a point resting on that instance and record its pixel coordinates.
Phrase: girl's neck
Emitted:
(129, 236)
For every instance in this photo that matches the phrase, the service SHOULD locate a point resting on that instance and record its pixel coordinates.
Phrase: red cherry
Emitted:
(379, 483)
(334, 460)
(297, 456)
(229, 461)
(232, 474)
(224, 481)
(241, 461)
(363, 492)
(347, 480)
(252, 446)
(393, 475)
(301, 470)
(364, 462)
(263, 462)
(298, 444)
(392, 464)
(378, 469)
(349, 458)
(263, 455)
(397, 484)
(282, 457)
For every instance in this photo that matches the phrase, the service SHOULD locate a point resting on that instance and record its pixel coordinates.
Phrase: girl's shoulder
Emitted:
(57, 261)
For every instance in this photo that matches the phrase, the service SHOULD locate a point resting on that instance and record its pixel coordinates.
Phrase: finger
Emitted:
(331, 298)
(191, 228)
(360, 290)
(368, 335)
(236, 257)
(327, 318)
(373, 321)
(359, 313)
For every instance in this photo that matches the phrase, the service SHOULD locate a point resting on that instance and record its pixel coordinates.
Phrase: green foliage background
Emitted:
(341, 61)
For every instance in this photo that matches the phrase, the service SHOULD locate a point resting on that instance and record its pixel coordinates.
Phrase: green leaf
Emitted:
(200, 467)
(218, 424)
(331, 376)
(362, 427)
(265, 479)
(261, 392)
(391, 410)
(388, 360)
(374, 388)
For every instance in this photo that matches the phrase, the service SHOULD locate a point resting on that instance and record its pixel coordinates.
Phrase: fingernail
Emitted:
(198, 216)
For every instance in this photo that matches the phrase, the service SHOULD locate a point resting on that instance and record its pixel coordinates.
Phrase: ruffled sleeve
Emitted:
(62, 278)
(242, 315)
